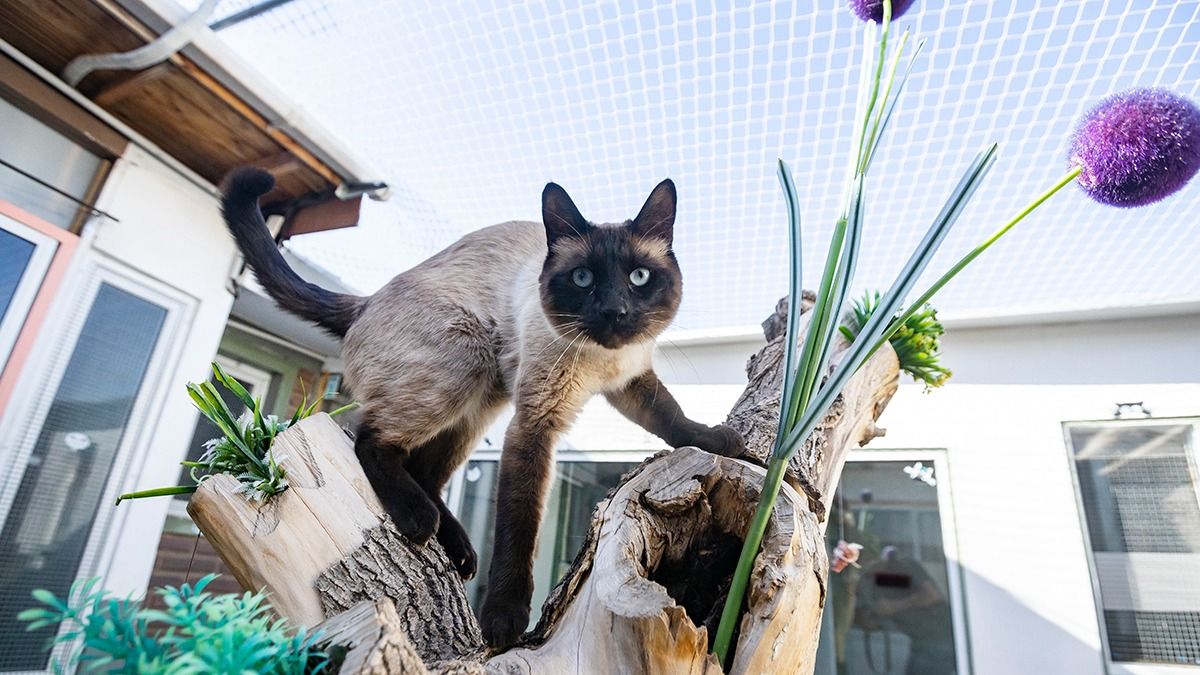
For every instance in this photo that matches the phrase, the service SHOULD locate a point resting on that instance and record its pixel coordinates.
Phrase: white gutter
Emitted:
(219, 61)
(104, 116)
(147, 55)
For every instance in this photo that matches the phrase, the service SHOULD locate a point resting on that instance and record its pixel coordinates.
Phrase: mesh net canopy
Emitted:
(470, 107)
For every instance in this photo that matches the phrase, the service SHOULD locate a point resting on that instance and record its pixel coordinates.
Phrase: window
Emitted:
(580, 482)
(83, 417)
(1137, 489)
(38, 150)
(898, 612)
(25, 256)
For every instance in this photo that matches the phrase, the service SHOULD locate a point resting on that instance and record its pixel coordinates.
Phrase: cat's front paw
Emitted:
(503, 622)
(724, 441)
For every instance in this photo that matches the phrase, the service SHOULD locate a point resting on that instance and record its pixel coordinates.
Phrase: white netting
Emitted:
(470, 107)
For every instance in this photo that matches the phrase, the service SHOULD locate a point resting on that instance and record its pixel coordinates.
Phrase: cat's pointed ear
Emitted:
(657, 217)
(560, 216)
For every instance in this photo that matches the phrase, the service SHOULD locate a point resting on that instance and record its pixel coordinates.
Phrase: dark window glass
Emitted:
(60, 493)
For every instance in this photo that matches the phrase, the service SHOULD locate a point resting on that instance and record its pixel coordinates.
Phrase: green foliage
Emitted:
(916, 341)
(198, 632)
(244, 450)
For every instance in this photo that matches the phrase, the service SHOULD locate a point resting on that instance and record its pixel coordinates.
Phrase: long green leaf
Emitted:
(891, 107)
(845, 276)
(225, 421)
(233, 385)
(794, 295)
(976, 252)
(814, 337)
(346, 408)
(876, 127)
(879, 321)
(158, 492)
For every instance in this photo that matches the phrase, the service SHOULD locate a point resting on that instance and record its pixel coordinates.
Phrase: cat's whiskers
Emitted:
(554, 368)
(570, 333)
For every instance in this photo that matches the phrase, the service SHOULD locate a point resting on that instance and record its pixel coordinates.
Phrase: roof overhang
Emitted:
(202, 106)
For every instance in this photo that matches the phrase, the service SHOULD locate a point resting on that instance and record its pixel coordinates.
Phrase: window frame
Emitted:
(1124, 667)
(940, 459)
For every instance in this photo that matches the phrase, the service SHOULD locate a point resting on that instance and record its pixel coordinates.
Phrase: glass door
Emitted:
(85, 410)
(25, 256)
(898, 610)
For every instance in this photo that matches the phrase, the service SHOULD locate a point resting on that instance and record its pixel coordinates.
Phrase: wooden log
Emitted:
(325, 543)
(619, 607)
(644, 593)
(373, 640)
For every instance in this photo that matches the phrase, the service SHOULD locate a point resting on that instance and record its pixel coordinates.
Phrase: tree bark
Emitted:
(645, 591)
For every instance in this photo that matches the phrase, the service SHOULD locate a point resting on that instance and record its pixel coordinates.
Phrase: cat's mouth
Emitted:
(615, 336)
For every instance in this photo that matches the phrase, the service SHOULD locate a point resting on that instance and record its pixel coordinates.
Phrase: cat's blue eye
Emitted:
(640, 276)
(582, 277)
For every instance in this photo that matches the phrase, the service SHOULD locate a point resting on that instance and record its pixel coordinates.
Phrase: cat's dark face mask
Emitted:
(612, 284)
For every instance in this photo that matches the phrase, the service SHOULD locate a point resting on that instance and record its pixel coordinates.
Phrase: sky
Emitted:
(469, 108)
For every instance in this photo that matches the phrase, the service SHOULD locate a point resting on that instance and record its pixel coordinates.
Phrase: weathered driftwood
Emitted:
(374, 640)
(324, 544)
(642, 596)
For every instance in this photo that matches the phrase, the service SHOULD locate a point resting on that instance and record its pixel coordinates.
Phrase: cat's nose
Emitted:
(615, 313)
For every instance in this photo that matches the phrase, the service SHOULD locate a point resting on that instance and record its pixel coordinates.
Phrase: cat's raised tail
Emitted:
(239, 204)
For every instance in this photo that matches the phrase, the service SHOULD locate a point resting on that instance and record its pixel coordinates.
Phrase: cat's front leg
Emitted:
(526, 468)
(646, 401)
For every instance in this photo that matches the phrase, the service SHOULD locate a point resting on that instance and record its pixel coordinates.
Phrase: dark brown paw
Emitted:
(503, 623)
(458, 548)
(724, 441)
(416, 519)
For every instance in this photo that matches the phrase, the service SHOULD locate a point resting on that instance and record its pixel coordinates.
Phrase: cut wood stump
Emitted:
(644, 593)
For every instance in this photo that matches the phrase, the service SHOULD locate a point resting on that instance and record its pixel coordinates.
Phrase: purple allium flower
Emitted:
(872, 10)
(1137, 147)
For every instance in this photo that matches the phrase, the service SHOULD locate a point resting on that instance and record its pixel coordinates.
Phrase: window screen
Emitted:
(46, 530)
(1138, 490)
(53, 158)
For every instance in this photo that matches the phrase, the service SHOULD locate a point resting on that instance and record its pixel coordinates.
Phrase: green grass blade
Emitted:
(226, 423)
(877, 128)
(846, 268)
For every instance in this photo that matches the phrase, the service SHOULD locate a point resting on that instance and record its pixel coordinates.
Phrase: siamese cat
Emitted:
(544, 315)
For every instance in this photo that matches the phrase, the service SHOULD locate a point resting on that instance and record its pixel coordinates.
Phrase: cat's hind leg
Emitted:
(414, 514)
(431, 465)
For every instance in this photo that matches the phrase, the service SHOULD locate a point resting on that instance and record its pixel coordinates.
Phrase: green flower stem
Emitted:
(883, 39)
(973, 254)
(741, 575)
(159, 492)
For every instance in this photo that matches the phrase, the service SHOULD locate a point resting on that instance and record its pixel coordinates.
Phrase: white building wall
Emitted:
(172, 231)
(1028, 593)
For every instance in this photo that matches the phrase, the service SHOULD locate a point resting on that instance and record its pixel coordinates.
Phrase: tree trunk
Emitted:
(645, 591)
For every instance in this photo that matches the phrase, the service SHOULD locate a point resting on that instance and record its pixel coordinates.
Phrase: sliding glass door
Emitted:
(75, 430)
